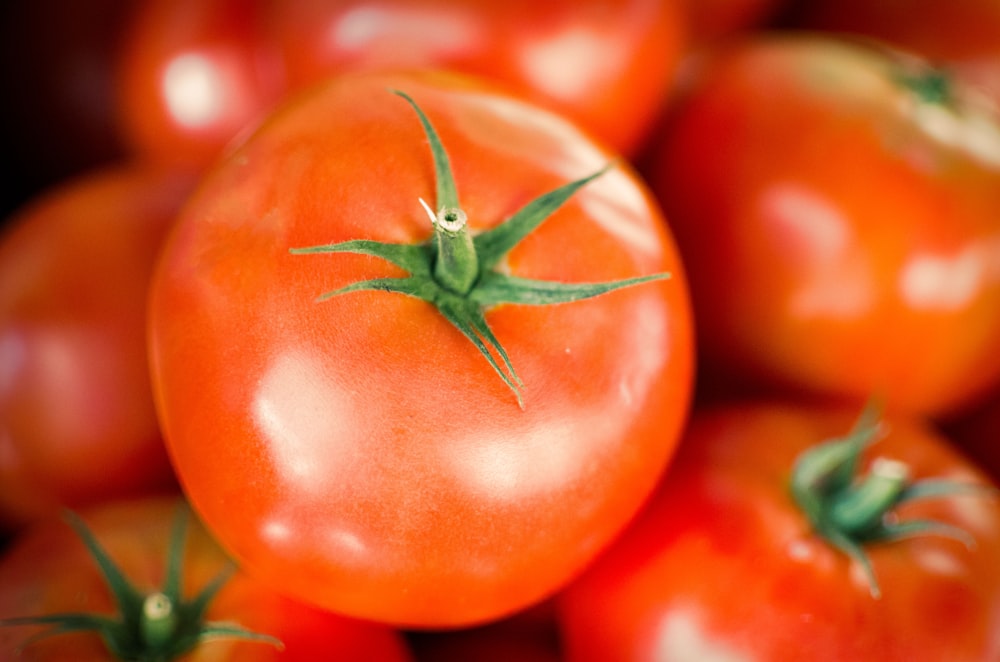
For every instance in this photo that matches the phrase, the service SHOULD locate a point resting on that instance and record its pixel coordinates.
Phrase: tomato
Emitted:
(194, 73)
(359, 450)
(49, 570)
(77, 421)
(838, 211)
(722, 564)
(963, 36)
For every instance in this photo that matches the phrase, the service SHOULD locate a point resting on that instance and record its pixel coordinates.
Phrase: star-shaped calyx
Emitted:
(456, 271)
(158, 626)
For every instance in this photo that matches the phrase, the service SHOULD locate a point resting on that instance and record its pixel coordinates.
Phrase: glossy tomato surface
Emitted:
(839, 214)
(723, 566)
(194, 73)
(48, 570)
(360, 451)
(77, 422)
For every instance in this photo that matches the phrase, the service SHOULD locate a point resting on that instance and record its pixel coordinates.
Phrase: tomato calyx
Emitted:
(851, 509)
(456, 271)
(154, 627)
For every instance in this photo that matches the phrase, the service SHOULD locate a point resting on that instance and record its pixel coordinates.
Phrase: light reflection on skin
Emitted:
(298, 415)
(388, 34)
(194, 90)
(569, 65)
(681, 637)
(836, 281)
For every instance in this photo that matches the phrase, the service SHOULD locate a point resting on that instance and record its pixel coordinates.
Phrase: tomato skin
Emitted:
(380, 466)
(77, 421)
(48, 570)
(598, 62)
(858, 258)
(721, 561)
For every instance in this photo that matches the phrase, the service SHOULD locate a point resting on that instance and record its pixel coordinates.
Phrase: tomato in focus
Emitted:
(195, 74)
(48, 570)
(838, 211)
(359, 452)
(77, 421)
(722, 564)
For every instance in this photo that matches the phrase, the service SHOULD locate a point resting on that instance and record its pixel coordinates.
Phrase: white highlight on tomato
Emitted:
(193, 90)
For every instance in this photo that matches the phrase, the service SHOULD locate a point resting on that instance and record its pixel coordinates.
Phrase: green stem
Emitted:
(864, 505)
(158, 621)
(456, 267)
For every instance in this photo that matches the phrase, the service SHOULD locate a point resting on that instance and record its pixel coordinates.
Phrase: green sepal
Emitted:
(455, 270)
(851, 510)
(129, 635)
(414, 258)
(494, 244)
(495, 288)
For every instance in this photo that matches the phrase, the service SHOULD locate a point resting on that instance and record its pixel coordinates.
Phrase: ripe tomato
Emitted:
(722, 564)
(360, 451)
(195, 72)
(77, 422)
(963, 36)
(49, 570)
(838, 211)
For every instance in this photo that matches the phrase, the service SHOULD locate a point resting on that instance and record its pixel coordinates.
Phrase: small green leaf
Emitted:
(447, 195)
(421, 288)
(495, 288)
(492, 245)
(414, 258)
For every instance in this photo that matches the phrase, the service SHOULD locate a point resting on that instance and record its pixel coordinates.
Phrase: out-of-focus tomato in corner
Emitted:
(838, 211)
(48, 570)
(962, 36)
(77, 422)
(723, 564)
(195, 74)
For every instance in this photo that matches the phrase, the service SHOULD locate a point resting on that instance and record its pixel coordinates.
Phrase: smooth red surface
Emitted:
(722, 566)
(48, 570)
(77, 422)
(360, 452)
(842, 236)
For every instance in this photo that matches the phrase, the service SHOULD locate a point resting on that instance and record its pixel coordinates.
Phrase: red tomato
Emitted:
(360, 451)
(962, 35)
(194, 73)
(722, 565)
(840, 220)
(77, 422)
(48, 570)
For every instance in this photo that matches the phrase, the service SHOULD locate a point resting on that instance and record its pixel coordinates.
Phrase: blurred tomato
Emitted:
(196, 73)
(77, 422)
(963, 36)
(838, 210)
(724, 565)
(48, 570)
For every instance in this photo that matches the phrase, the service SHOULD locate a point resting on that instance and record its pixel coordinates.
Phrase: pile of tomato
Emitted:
(426, 330)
